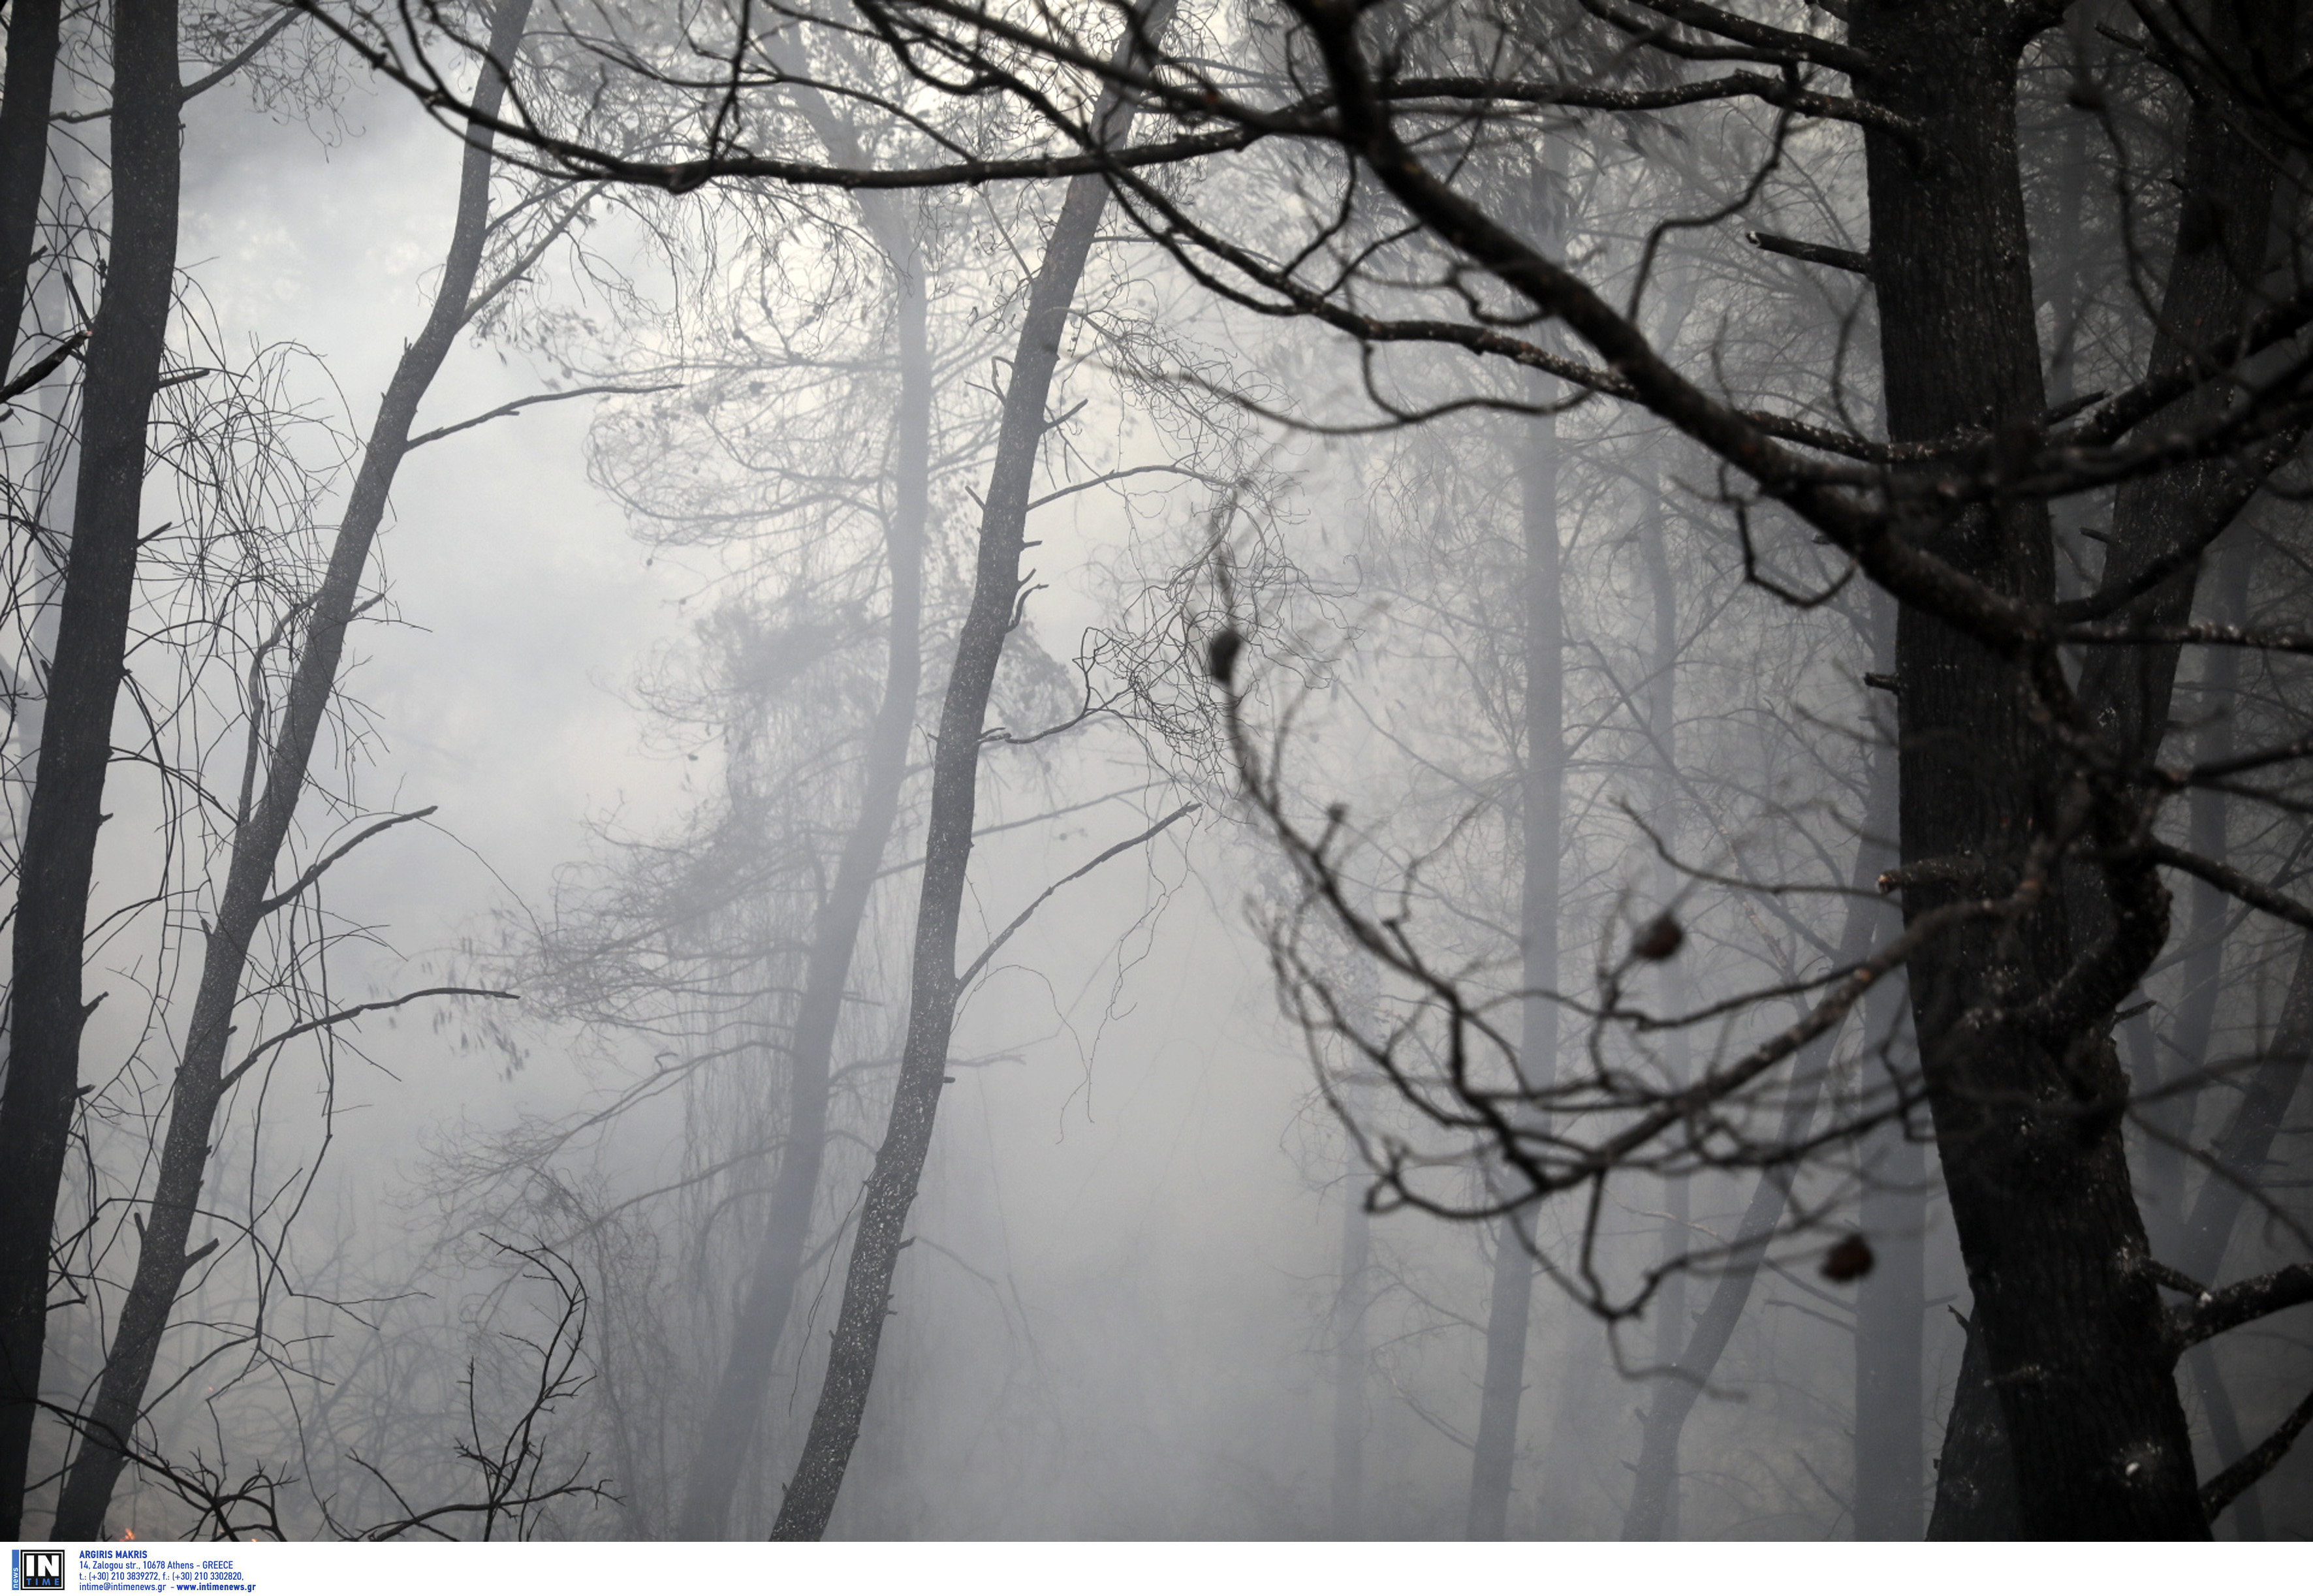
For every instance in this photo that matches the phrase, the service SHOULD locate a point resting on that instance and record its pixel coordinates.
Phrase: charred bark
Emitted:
(46, 1010)
(2027, 1101)
(1654, 1495)
(202, 1079)
(947, 852)
(26, 95)
(2167, 519)
(1975, 1472)
(1349, 1488)
(734, 1414)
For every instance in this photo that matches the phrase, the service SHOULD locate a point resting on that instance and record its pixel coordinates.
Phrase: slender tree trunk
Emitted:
(1654, 1494)
(2160, 1156)
(735, 1413)
(1510, 1300)
(1670, 1308)
(1509, 1307)
(1890, 1314)
(1350, 1373)
(46, 1007)
(947, 852)
(202, 1080)
(26, 95)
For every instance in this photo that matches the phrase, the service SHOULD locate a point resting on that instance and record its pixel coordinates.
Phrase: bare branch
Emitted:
(516, 407)
(2218, 1493)
(313, 873)
(1079, 873)
(342, 1015)
(2213, 1313)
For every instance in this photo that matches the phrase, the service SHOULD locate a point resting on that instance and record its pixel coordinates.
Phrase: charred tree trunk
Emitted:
(46, 1007)
(2113, 1468)
(2027, 1112)
(25, 94)
(202, 1079)
(1975, 1472)
(1890, 1315)
(2214, 277)
(2197, 1241)
(995, 599)
(1510, 1300)
(735, 1413)
(1891, 1300)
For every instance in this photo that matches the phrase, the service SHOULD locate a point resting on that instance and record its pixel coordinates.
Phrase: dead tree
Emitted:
(995, 604)
(284, 754)
(46, 1006)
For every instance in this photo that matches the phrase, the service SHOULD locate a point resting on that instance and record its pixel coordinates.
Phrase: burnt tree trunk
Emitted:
(2122, 1463)
(202, 1079)
(1975, 1473)
(995, 599)
(734, 1414)
(2027, 1112)
(1891, 1300)
(26, 95)
(46, 1010)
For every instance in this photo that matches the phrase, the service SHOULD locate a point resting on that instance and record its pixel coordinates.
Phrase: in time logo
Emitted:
(38, 1571)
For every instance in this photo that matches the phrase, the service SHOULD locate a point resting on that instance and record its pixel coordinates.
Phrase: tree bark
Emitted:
(736, 1412)
(60, 828)
(2214, 275)
(2028, 1122)
(2168, 1116)
(947, 852)
(26, 93)
(1510, 1299)
(2123, 1463)
(201, 1080)
(1975, 1472)
(1891, 1300)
